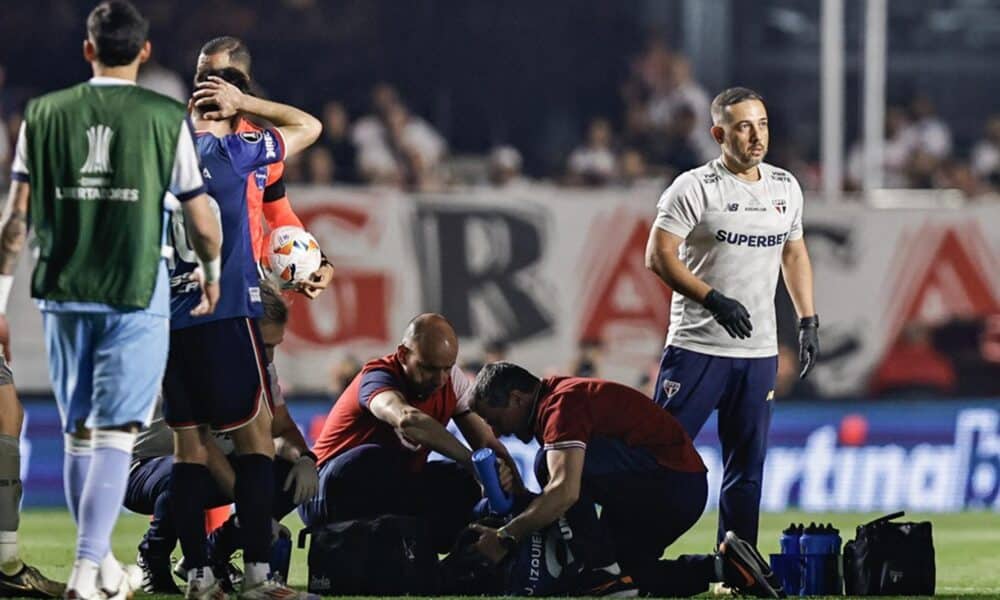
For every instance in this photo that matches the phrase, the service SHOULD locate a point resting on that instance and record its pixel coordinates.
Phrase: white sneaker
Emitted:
(272, 590)
(130, 582)
(202, 585)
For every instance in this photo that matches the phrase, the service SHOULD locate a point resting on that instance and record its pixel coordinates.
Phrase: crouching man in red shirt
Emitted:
(606, 443)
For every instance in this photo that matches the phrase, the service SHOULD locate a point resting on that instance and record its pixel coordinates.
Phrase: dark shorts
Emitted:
(216, 375)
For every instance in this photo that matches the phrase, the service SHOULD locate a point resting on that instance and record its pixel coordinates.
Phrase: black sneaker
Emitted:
(598, 582)
(745, 570)
(156, 575)
(29, 583)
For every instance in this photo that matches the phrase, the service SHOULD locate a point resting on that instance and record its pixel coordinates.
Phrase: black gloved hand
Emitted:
(732, 315)
(808, 343)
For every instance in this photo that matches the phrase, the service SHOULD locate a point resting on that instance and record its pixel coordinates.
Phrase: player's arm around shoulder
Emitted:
(297, 128)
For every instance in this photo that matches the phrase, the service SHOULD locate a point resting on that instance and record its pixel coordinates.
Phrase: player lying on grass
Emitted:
(216, 377)
(605, 443)
(148, 491)
(374, 444)
(266, 197)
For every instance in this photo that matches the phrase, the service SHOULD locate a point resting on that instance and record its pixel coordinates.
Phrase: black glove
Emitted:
(808, 343)
(732, 315)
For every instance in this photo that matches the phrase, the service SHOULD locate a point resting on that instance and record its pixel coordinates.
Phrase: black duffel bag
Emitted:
(390, 555)
(890, 559)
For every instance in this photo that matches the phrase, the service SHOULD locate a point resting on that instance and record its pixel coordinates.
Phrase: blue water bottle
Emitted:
(484, 461)
(786, 565)
(813, 548)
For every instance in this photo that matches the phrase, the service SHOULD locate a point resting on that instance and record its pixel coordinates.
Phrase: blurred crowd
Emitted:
(662, 130)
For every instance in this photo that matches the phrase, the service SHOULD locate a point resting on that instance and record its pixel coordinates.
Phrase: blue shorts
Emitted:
(216, 375)
(105, 368)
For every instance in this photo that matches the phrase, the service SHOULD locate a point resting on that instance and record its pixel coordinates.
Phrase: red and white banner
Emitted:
(546, 268)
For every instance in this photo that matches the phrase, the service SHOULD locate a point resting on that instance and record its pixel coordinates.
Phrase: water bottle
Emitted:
(786, 565)
(789, 541)
(484, 461)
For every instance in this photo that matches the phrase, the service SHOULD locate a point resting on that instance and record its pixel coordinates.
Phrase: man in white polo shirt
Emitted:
(721, 234)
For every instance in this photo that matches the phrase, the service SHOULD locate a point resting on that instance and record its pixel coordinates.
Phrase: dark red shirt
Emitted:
(572, 410)
(351, 423)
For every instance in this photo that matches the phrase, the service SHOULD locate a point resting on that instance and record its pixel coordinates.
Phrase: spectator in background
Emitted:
(417, 147)
(933, 135)
(336, 139)
(897, 152)
(985, 157)
(320, 166)
(595, 162)
(677, 91)
(504, 167)
(154, 76)
(955, 174)
(683, 151)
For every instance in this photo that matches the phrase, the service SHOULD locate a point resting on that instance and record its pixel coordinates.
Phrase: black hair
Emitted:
(234, 47)
(497, 380)
(118, 31)
(729, 97)
(275, 309)
(230, 75)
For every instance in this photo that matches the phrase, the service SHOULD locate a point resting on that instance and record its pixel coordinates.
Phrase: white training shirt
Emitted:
(734, 232)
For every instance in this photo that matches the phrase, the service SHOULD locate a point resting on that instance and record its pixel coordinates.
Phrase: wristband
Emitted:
(6, 283)
(812, 321)
(212, 269)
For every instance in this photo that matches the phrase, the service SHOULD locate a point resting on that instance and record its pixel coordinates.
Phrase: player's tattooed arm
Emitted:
(15, 227)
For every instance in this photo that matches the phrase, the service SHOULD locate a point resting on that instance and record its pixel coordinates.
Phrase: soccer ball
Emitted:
(292, 256)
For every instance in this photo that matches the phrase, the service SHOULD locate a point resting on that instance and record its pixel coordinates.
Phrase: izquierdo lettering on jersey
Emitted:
(752, 241)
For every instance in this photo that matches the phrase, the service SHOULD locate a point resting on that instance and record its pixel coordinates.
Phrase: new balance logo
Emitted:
(98, 161)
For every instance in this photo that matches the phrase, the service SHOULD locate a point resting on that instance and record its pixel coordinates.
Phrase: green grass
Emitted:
(967, 545)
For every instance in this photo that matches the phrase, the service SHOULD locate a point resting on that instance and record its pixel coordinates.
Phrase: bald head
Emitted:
(430, 333)
(429, 351)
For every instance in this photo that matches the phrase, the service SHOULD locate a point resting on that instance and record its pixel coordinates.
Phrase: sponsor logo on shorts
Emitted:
(770, 395)
(670, 388)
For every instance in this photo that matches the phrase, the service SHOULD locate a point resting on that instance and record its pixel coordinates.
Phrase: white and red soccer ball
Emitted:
(292, 256)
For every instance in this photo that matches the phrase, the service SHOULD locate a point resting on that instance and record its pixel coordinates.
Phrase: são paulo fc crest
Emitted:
(670, 388)
(780, 205)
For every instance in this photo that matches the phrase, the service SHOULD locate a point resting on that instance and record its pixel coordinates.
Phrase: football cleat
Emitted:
(29, 583)
(202, 585)
(156, 575)
(745, 570)
(272, 590)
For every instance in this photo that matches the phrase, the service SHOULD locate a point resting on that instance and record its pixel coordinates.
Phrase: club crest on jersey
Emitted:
(670, 388)
(732, 207)
(250, 137)
(781, 205)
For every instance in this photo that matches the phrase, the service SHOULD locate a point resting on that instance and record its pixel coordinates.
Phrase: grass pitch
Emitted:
(967, 545)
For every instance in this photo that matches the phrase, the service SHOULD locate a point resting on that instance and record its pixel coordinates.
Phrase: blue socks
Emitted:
(76, 465)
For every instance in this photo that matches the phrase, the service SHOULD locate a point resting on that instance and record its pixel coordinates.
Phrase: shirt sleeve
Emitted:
(567, 425)
(19, 169)
(250, 150)
(681, 206)
(463, 391)
(185, 179)
(375, 382)
(795, 232)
